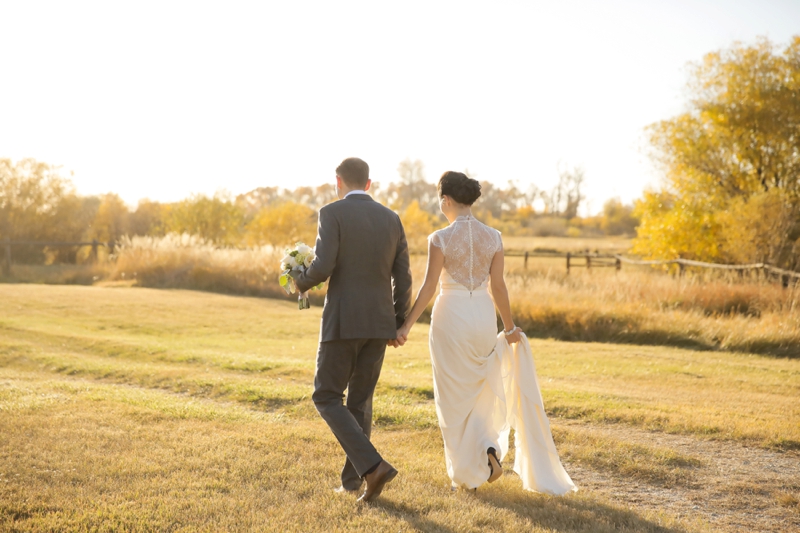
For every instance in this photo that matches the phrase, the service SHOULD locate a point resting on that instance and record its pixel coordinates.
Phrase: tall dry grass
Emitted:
(650, 307)
(632, 306)
(189, 262)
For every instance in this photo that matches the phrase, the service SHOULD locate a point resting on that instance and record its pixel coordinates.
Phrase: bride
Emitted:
(484, 384)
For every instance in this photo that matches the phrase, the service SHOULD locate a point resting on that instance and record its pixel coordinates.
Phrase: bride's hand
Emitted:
(402, 334)
(514, 336)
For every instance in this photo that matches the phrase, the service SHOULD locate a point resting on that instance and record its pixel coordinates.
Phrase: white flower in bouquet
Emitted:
(288, 262)
(298, 259)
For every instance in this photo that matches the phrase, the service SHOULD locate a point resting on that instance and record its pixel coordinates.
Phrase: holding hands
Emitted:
(402, 337)
(512, 336)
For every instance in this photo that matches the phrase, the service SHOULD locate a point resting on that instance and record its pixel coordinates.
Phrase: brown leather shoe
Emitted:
(342, 490)
(377, 480)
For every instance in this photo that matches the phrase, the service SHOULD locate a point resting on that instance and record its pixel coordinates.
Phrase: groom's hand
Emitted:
(401, 338)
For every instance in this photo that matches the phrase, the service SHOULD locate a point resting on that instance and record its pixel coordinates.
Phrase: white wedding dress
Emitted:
(484, 387)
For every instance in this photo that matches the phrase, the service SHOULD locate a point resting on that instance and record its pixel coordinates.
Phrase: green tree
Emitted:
(739, 139)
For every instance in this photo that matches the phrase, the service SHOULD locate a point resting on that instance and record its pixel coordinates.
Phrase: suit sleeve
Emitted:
(401, 278)
(326, 251)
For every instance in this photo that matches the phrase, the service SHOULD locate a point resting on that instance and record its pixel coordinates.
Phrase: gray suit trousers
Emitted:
(355, 365)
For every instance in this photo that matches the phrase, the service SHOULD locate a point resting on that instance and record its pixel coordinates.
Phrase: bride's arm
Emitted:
(426, 292)
(500, 295)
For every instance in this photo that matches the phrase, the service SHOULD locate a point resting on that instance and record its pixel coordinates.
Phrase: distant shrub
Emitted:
(549, 227)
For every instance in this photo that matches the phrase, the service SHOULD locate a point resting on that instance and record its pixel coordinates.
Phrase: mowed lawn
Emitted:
(154, 410)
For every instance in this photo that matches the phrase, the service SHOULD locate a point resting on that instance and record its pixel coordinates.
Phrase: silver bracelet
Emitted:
(509, 332)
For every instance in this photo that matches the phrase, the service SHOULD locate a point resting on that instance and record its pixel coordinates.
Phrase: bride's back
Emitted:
(468, 247)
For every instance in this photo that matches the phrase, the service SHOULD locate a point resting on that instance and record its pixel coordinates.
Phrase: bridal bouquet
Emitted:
(297, 259)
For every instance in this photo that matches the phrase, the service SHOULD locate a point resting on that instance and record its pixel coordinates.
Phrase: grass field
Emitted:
(151, 410)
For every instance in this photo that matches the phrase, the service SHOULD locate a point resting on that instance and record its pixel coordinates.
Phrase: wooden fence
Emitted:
(596, 260)
(8, 257)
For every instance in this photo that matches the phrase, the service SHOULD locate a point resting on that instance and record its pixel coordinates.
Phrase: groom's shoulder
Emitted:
(333, 208)
(345, 207)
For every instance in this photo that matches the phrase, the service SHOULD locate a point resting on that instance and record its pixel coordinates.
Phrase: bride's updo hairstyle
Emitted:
(459, 187)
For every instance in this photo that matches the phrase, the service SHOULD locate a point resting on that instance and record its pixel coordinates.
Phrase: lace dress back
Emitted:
(468, 247)
(484, 387)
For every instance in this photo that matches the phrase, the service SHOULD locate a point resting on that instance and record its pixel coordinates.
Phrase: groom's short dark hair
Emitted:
(354, 172)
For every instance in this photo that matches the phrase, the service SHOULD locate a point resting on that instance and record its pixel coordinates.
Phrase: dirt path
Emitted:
(738, 488)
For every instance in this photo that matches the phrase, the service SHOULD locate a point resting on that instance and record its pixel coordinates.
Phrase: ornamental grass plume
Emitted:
(189, 262)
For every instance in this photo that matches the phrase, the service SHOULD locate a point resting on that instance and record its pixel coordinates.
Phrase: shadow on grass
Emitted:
(415, 518)
(566, 514)
(570, 514)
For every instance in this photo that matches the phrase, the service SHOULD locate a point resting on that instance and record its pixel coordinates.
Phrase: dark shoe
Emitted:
(496, 469)
(377, 480)
(342, 490)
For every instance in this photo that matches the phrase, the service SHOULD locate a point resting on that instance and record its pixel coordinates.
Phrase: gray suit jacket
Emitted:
(362, 248)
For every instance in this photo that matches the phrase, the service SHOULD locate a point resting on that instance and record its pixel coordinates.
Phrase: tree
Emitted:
(149, 218)
(264, 197)
(499, 201)
(739, 139)
(37, 204)
(752, 228)
(418, 224)
(618, 219)
(411, 188)
(283, 225)
(111, 221)
(216, 219)
(566, 197)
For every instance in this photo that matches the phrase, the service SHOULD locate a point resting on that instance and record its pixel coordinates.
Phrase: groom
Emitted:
(362, 248)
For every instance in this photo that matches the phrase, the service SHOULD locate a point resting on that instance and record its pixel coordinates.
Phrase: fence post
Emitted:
(618, 264)
(7, 259)
(94, 250)
(526, 261)
(588, 263)
(681, 269)
(111, 245)
(568, 257)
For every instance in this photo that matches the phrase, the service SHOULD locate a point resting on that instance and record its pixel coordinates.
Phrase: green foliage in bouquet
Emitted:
(297, 259)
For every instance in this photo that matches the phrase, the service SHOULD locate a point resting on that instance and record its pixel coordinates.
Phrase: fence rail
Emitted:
(8, 243)
(594, 260)
(682, 263)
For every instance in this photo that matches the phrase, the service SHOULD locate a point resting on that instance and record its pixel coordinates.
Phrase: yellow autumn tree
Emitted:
(216, 219)
(418, 224)
(111, 221)
(729, 162)
(283, 225)
(752, 228)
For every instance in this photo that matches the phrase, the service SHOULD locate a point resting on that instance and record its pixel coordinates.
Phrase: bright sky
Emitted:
(165, 99)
